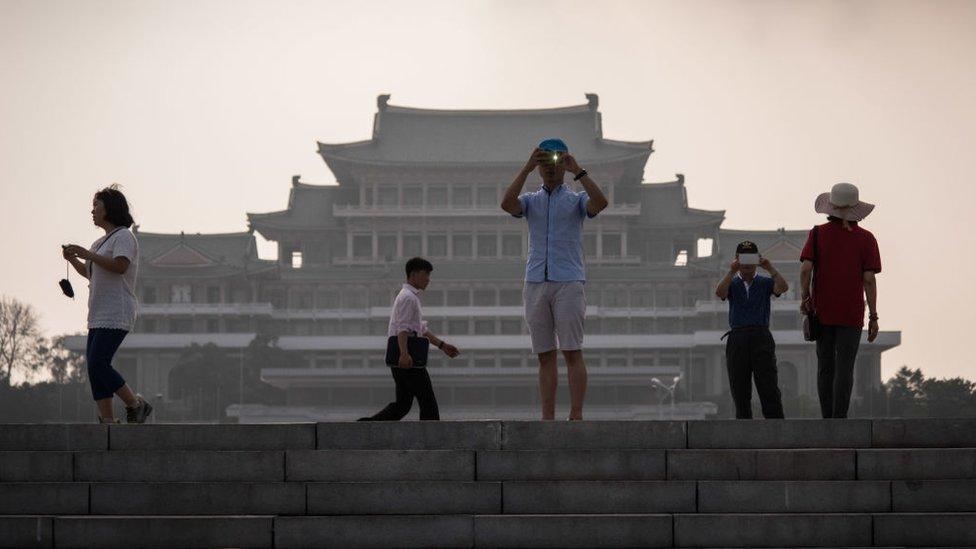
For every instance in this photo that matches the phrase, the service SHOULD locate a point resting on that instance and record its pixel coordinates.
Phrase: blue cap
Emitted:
(555, 145)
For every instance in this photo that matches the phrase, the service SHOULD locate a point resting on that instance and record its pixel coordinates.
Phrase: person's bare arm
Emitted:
(117, 265)
(447, 348)
(597, 200)
(406, 360)
(78, 265)
(510, 202)
(871, 293)
(806, 275)
(722, 290)
(779, 283)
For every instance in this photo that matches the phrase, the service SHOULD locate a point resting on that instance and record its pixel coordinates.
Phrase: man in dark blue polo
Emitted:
(750, 351)
(555, 304)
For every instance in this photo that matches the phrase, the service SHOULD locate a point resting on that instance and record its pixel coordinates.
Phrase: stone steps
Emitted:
(705, 484)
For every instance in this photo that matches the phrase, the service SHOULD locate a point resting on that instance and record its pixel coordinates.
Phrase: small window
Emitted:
(612, 245)
(462, 245)
(296, 260)
(437, 245)
(461, 197)
(327, 299)
(213, 326)
(510, 298)
(437, 197)
(484, 298)
(484, 327)
(512, 245)
(487, 197)
(682, 259)
(413, 196)
(511, 327)
(433, 298)
(149, 294)
(213, 294)
(387, 244)
(412, 243)
(705, 247)
(362, 246)
(457, 327)
(182, 294)
(589, 244)
(487, 245)
(458, 298)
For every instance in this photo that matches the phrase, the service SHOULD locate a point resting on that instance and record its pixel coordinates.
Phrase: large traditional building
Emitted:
(429, 183)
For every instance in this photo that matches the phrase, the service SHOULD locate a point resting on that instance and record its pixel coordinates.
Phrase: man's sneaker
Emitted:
(139, 413)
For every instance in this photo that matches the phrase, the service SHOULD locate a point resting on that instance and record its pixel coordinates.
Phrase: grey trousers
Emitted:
(836, 354)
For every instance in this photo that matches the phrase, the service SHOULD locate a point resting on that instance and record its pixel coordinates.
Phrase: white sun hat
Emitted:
(843, 202)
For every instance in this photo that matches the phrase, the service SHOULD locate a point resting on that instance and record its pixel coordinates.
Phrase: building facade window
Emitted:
(387, 246)
(458, 298)
(362, 246)
(487, 245)
(213, 294)
(412, 245)
(182, 294)
(461, 245)
(488, 197)
(437, 197)
(484, 298)
(461, 196)
(437, 245)
(149, 294)
(512, 245)
(612, 245)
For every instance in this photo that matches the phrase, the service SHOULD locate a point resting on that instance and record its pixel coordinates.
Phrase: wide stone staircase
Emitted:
(786, 483)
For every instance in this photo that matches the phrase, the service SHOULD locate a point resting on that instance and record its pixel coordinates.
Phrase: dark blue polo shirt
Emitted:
(750, 308)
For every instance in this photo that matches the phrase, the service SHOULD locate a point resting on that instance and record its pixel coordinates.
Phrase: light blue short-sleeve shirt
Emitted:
(555, 234)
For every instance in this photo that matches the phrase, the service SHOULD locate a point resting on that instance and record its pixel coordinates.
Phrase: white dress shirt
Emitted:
(406, 315)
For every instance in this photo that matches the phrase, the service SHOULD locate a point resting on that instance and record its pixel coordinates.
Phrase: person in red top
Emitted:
(842, 269)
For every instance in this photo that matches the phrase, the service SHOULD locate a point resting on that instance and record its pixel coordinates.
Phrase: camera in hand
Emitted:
(748, 259)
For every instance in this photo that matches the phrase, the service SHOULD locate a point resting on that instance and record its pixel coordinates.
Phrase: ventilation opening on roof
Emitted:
(682, 259)
(705, 247)
(296, 260)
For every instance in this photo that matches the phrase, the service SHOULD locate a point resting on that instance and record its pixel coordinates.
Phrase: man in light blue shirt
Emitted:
(555, 303)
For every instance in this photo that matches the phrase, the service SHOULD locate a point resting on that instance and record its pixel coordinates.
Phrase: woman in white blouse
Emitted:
(110, 265)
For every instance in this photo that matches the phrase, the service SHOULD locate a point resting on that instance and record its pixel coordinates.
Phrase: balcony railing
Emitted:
(422, 210)
(166, 309)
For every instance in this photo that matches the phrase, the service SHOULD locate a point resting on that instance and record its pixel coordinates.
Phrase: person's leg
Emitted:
(826, 356)
(539, 320)
(848, 339)
(548, 381)
(396, 410)
(740, 375)
(104, 380)
(569, 314)
(763, 350)
(576, 369)
(128, 397)
(424, 390)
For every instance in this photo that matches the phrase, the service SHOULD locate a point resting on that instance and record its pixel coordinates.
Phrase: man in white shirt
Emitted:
(406, 319)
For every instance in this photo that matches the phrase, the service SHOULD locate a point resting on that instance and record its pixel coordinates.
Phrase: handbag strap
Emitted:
(816, 259)
(99, 247)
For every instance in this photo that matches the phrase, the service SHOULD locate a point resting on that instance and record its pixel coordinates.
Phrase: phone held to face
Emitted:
(748, 259)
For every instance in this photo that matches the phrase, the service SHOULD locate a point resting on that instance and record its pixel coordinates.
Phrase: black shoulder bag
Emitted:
(417, 347)
(811, 322)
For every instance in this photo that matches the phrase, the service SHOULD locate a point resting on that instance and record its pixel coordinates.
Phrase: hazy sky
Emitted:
(203, 110)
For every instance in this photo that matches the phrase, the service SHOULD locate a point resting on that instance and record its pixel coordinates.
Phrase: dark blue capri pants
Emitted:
(102, 344)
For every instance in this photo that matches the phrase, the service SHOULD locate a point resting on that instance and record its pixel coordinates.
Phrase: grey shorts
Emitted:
(554, 313)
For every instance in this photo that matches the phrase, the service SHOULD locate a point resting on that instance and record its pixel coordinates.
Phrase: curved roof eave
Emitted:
(422, 163)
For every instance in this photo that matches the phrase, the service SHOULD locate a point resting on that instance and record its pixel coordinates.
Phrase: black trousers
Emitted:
(750, 353)
(410, 383)
(836, 353)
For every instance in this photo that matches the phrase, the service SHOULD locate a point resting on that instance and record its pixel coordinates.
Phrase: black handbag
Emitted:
(811, 322)
(417, 347)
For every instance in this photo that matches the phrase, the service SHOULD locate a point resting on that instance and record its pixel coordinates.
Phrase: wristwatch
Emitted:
(873, 316)
(580, 175)
(441, 345)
